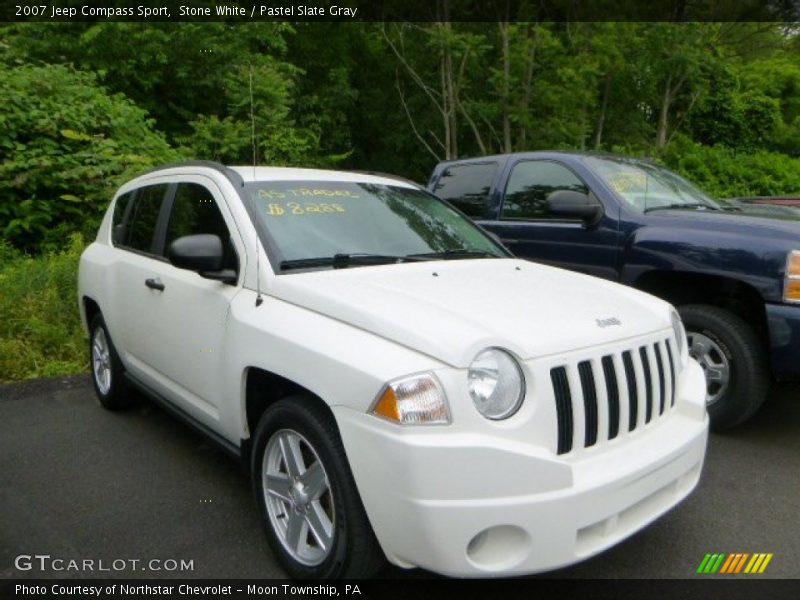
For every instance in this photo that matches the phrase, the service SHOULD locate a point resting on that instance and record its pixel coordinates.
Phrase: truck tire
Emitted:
(314, 519)
(108, 373)
(733, 359)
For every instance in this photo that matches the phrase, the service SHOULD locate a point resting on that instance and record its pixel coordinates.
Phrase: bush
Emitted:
(724, 173)
(40, 332)
(65, 145)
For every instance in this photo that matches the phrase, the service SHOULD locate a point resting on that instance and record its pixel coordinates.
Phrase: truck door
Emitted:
(529, 230)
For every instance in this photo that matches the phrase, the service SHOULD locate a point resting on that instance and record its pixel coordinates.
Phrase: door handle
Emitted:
(154, 284)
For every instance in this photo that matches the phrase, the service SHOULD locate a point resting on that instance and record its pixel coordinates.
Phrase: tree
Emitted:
(175, 71)
(682, 55)
(67, 144)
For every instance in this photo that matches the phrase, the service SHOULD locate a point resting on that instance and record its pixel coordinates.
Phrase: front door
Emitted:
(179, 351)
(530, 231)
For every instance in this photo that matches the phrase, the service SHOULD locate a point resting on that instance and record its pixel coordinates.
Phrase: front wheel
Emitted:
(312, 512)
(733, 360)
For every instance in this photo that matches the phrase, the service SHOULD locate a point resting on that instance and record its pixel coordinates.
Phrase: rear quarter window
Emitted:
(138, 228)
(118, 229)
(467, 187)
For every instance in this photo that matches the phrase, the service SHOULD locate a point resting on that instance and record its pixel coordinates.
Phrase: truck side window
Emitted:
(143, 218)
(529, 185)
(195, 211)
(467, 187)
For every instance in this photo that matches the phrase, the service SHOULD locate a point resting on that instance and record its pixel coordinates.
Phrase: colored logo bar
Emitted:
(734, 562)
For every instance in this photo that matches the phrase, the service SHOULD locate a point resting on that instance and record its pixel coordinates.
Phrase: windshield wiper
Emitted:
(342, 261)
(678, 205)
(455, 253)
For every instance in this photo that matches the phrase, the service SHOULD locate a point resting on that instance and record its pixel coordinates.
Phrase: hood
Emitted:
(744, 223)
(451, 310)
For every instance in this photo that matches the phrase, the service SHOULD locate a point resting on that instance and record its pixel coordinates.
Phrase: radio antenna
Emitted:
(259, 299)
(252, 121)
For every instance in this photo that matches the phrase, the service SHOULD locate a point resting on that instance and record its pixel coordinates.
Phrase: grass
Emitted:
(40, 330)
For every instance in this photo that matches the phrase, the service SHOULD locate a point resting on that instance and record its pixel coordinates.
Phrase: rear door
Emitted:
(468, 186)
(136, 261)
(527, 228)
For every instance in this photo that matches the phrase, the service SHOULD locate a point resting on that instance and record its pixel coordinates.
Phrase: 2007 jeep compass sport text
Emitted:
(397, 384)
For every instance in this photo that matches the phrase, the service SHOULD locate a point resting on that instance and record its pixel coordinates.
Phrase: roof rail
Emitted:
(388, 176)
(229, 173)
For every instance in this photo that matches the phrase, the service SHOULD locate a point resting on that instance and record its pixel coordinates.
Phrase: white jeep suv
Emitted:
(395, 382)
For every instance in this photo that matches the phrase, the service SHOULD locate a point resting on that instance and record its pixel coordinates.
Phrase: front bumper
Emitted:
(469, 504)
(784, 335)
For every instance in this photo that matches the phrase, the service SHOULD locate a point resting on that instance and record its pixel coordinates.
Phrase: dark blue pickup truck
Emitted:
(734, 276)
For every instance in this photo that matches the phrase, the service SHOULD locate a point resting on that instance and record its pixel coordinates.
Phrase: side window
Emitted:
(530, 184)
(119, 231)
(195, 211)
(467, 187)
(143, 218)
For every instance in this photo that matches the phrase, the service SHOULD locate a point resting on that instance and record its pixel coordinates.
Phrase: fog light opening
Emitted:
(476, 543)
(499, 548)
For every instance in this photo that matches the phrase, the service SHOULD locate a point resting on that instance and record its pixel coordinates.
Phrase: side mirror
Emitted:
(575, 205)
(203, 254)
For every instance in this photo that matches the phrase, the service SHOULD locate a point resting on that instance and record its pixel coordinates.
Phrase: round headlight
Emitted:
(496, 384)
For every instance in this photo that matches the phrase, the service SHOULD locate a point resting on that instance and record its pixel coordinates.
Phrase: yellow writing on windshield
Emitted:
(628, 182)
(278, 209)
(306, 192)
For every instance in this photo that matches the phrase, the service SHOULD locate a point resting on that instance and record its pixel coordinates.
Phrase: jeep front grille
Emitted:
(619, 392)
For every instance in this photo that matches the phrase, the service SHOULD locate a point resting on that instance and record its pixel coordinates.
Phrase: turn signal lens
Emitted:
(792, 293)
(791, 287)
(793, 268)
(415, 400)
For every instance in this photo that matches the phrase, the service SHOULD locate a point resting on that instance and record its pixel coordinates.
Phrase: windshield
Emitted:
(342, 224)
(648, 187)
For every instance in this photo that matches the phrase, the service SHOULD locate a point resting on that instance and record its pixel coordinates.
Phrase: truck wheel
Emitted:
(732, 357)
(107, 370)
(314, 519)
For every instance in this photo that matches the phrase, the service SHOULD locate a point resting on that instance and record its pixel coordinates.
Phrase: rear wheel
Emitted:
(108, 373)
(733, 360)
(312, 512)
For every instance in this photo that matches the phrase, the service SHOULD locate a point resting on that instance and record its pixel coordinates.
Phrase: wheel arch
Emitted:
(90, 309)
(263, 388)
(729, 293)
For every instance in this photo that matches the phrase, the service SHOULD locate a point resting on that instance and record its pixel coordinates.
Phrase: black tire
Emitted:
(355, 552)
(118, 395)
(749, 378)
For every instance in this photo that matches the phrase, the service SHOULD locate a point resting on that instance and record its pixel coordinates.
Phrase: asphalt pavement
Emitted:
(78, 482)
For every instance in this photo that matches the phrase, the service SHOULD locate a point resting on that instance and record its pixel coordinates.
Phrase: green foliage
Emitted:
(85, 105)
(175, 71)
(778, 78)
(66, 145)
(279, 140)
(724, 173)
(40, 332)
